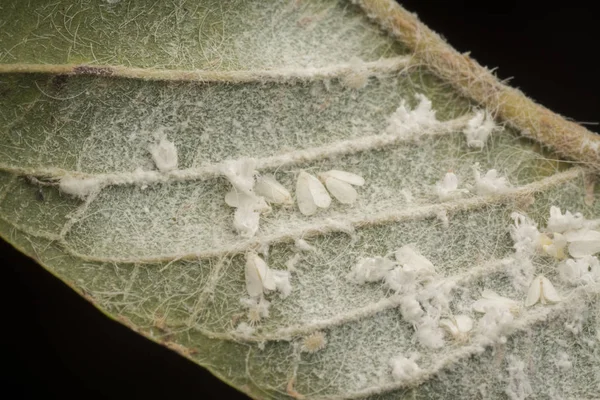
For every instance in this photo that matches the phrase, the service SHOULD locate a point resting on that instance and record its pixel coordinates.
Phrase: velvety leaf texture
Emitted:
(94, 93)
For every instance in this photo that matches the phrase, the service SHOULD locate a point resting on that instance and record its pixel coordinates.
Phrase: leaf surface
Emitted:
(87, 88)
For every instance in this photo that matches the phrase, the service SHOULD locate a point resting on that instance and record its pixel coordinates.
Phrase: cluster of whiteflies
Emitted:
(490, 183)
(252, 194)
(568, 238)
(423, 297)
(413, 123)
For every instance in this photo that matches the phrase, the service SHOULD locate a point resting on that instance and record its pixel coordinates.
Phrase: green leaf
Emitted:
(87, 88)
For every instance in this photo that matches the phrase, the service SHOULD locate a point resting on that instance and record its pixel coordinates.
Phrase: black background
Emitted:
(56, 344)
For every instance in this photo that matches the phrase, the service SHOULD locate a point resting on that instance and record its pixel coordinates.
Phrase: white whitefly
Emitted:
(408, 123)
(236, 198)
(310, 194)
(273, 191)
(340, 185)
(490, 299)
(240, 173)
(164, 154)
(447, 188)
(413, 261)
(583, 270)
(543, 291)
(479, 128)
(491, 183)
(259, 277)
(584, 242)
(457, 326)
(370, 269)
(561, 223)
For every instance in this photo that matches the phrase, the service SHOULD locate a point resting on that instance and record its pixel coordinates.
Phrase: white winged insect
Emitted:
(259, 277)
(310, 194)
(458, 326)
(584, 242)
(340, 185)
(273, 191)
(492, 300)
(542, 290)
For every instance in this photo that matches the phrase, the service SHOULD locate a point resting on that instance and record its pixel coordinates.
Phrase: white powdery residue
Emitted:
(411, 309)
(404, 369)
(525, 234)
(244, 329)
(79, 187)
(410, 124)
(282, 283)
(447, 188)
(436, 296)
(442, 216)
(496, 324)
(413, 261)
(408, 196)
(371, 269)
(479, 128)
(303, 245)
(164, 155)
(519, 387)
(358, 76)
(246, 220)
(562, 361)
(491, 183)
(562, 223)
(429, 333)
(291, 263)
(521, 270)
(582, 271)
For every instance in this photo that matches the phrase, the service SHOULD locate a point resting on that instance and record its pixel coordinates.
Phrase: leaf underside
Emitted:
(162, 256)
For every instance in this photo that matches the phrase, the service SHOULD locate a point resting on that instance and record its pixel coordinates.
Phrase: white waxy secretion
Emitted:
(370, 269)
(273, 191)
(259, 276)
(553, 244)
(339, 184)
(409, 123)
(491, 183)
(562, 223)
(164, 155)
(479, 128)
(541, 290)
(311, 194)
